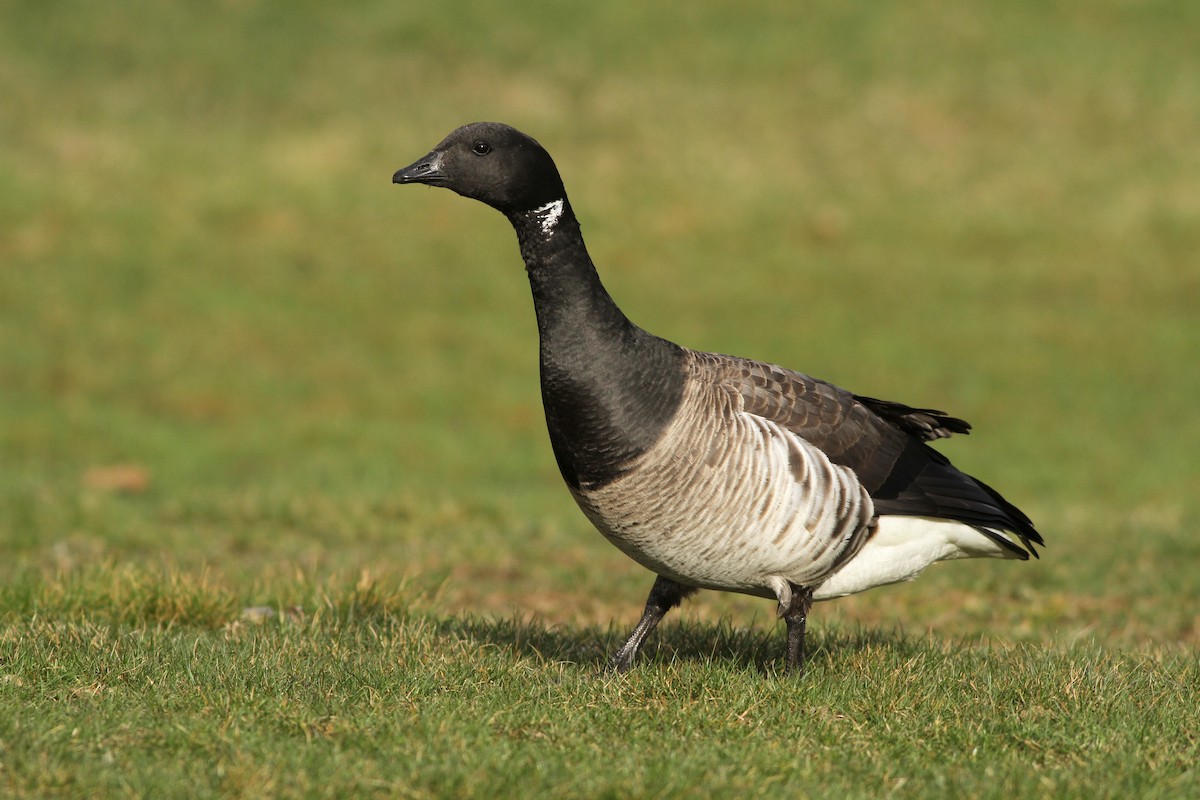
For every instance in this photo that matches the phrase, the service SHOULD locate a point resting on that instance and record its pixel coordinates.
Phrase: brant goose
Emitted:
(712, 471)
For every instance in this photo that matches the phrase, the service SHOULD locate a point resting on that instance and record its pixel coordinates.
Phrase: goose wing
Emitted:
(882, 441)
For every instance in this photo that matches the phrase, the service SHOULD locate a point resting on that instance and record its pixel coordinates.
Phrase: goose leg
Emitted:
(664, 595)
(796, 617)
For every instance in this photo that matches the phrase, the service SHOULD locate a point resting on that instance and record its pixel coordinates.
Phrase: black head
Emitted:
(492, 163)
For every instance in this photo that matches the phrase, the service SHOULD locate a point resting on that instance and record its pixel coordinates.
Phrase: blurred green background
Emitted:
(230, 347)
(241, 371)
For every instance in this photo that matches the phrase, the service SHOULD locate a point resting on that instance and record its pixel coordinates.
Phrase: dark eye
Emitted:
(481, 148)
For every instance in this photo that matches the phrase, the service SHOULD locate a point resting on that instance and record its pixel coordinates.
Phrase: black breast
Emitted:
(608, 400)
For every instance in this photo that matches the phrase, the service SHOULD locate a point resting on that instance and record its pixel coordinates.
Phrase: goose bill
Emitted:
(427, 169)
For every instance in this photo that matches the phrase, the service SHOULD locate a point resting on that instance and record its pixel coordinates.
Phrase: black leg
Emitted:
(796, 616)
(664, 595)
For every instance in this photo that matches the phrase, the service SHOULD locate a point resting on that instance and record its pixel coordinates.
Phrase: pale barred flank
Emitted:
(729, 500)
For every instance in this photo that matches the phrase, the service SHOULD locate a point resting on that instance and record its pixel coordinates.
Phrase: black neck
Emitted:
(608, 387)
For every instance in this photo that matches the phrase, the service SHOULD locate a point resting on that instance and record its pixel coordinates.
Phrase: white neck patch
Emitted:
(548, 215)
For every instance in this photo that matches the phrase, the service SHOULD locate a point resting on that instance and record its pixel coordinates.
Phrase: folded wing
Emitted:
(882, 441)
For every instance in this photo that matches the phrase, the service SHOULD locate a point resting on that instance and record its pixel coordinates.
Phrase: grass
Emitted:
(239, 370)
(362, 696)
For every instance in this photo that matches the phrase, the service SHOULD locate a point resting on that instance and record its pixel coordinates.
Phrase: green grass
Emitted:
(385, 703)
(239, 369)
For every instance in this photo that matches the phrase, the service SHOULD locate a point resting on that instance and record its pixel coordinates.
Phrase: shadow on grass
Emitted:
(756, 648)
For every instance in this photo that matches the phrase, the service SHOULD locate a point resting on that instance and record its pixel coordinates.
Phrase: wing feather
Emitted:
(884, 442)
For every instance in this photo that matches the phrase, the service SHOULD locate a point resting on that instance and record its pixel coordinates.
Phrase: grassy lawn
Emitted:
(278, 514)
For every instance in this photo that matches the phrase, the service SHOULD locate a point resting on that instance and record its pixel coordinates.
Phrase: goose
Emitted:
(713, 471)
